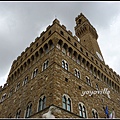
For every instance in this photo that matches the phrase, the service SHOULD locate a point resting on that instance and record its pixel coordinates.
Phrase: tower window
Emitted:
(34, 74)
(11, 92)
(32, 57)
(3, 97)
(92, 58)
(25, 81)
(81, 49)
(69, 53)
(18, 86)
(51, 45)
(61, 32)
(46, 48)
(97, 88)
(43, 38)
(79, 87)
(28, 61)
(59, 44)
(69, 38)
(49, 32)
(31, 50)
(75, 44)
(88, 80)
(26, 55)
(65, 65)
(77, 73)
(36, 44)
(41, 52)
(79, 21)
(86, 53)
(45, 65)
(36, 54)
(66, 79)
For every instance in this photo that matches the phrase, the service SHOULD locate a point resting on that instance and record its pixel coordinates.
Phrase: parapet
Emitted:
(56, 21)
(76, 38)
(69, 32)
(48, 27)
(64, 27)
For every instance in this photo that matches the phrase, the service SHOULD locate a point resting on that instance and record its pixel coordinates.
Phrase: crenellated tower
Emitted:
(88, 36)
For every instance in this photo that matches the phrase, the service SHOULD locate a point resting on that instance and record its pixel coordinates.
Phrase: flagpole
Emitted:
(103, 106)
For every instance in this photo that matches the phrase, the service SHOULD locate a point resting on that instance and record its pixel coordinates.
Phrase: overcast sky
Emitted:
(22, 22)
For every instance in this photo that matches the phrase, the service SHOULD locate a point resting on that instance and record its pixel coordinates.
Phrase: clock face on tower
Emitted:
(99, 56)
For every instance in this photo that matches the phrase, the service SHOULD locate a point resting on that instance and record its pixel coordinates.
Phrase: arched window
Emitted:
(28, 110)
(45, 65)
(87, 65)
(82, 110)
(18, 86)
(69, 104)
(69, 52)
(42, 103)
(88, 80)
(25, 80)
(95, 71)
(66, 102)
(94, 113)
(3, 97)
(61, 32)
(59, 44)
(77, 73)
(11, 92)
(64, 48)
(51, 45)
(91, 68)
(46, 48)
(74, 57)
(36, 54)
(97, 88)
(65, 65)
(32, 57)
(41, 52)
(34, 74)
(18, 113)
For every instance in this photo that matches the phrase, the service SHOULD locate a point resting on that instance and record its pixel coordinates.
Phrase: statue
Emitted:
(50, 113)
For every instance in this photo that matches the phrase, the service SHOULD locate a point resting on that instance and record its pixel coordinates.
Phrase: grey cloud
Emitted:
(22, 22)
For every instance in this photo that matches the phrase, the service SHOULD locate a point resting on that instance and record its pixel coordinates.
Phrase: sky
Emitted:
(22, 22)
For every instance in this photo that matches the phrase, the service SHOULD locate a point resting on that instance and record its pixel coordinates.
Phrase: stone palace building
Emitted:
(61, 75)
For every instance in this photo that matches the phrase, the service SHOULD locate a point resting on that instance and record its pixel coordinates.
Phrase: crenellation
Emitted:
(64, 27)
(26, 49)
(42, 33)
(18, 58)
(5, 85)
(22, 53)
(48, 27)
(32, 44)
(1, 88)
(70, 32)
(56, 21)
(75, 37)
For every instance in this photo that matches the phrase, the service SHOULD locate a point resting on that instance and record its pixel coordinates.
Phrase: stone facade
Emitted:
(55, 70)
